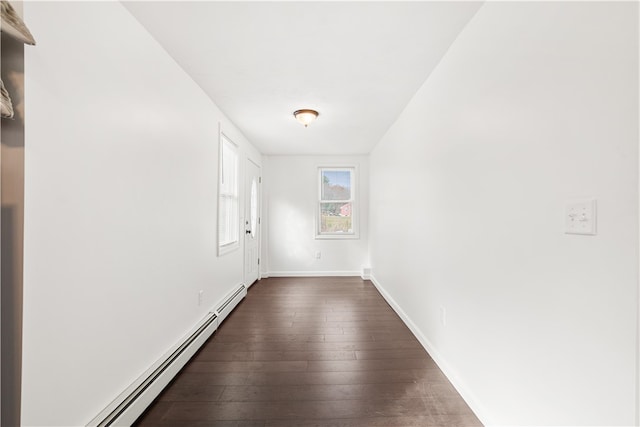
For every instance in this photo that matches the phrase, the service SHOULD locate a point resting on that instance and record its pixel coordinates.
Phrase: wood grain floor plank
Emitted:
(244, 366)
(351, 337)
(281, 337)
(301, 410)
(304, 355)
(200, 379)
(311, 352)
(320, 392)
(205, 393)
(412, 353)
(418, 421)
(336, 377)
(369, 365)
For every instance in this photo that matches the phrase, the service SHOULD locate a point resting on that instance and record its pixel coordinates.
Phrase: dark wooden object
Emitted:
(311, 352)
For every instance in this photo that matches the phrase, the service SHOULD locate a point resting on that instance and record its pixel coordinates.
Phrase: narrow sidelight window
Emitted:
(228, 219)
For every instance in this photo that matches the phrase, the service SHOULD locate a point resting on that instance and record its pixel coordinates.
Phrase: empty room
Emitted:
(320, 213)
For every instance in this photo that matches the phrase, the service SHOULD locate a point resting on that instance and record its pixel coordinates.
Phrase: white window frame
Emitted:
(355, 208)
(232, 193)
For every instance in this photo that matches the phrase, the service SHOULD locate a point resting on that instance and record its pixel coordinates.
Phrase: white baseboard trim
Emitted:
(125, 409)
(133, 401)
(446, 369)
(313, 274)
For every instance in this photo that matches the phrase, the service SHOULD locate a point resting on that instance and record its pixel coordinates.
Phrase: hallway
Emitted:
(476, 161)
(311, 352)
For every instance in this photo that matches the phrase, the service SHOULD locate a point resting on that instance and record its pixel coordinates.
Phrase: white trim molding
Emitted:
(312, 274)
(125, 409)
(446, 369)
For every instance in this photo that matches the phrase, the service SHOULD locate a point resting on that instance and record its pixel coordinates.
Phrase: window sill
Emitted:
(350, 236)
(231, 247)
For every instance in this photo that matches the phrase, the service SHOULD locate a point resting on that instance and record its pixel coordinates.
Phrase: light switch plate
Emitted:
(580, 217)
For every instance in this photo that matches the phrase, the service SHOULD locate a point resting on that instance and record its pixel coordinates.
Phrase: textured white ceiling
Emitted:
(357, 63)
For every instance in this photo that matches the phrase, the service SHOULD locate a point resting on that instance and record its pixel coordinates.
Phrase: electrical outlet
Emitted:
(200, 295)
(318, 255)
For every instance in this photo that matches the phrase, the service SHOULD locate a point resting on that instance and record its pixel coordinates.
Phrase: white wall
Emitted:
(290, 203)
(120, 221)
(533, 105)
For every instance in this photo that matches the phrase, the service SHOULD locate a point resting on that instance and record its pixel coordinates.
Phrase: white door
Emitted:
(252, 223)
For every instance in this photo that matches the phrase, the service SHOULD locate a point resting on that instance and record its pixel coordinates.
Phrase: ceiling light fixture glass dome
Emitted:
(305, 116)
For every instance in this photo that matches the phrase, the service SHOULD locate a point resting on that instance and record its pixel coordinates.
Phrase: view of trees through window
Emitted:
(336, 201)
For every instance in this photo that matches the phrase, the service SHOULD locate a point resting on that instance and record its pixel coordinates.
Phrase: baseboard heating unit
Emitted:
(130, 404)
(230, 302)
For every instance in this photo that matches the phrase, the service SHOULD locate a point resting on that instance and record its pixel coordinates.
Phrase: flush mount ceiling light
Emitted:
(305, 116)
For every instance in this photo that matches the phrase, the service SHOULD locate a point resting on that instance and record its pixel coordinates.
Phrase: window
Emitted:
(337, 205)
(228, 220)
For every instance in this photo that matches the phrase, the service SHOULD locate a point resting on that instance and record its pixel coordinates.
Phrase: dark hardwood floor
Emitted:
(304, 352)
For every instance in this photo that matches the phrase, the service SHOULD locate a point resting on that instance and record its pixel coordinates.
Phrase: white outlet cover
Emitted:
(580, 217)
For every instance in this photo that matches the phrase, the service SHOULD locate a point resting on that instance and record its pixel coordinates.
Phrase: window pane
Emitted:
(222, 221)
(228, 219)
(336, 218)
(228, 169)
(254, 207)
(336, 185)
(228, 224)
